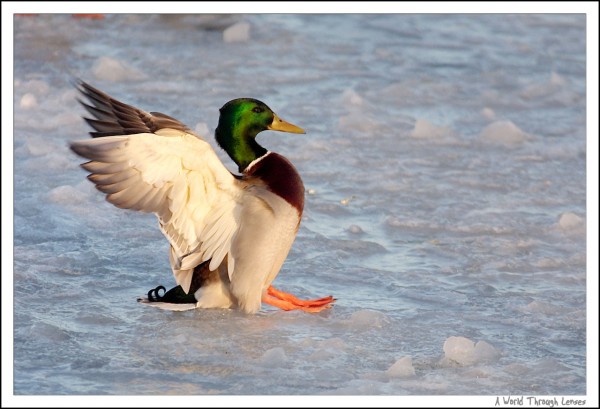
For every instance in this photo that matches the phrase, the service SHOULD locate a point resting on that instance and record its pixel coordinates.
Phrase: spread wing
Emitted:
(112, 117)
(151, 162)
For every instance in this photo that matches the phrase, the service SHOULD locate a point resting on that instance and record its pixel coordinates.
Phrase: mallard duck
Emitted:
(229, 233)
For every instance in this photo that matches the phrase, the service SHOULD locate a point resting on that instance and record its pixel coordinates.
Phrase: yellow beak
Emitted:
(279, 124)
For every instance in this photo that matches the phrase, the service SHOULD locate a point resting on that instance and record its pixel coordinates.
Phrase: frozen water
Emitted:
(445, 167)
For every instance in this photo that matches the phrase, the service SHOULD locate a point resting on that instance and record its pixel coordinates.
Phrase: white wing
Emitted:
(153, 163)
(177, 176)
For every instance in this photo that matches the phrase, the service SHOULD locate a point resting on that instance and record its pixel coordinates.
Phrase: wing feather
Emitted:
(196, 204)
(151, 162)
(104, 167)
(108, 179)
(114, 117)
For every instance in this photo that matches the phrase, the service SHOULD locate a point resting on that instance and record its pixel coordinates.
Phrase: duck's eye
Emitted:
(258, 110)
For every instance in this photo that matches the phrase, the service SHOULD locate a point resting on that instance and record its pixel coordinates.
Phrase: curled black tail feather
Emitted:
(154, 296)
(175, 295)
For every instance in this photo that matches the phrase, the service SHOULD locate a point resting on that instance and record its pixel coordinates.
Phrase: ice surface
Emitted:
(459, 266)
(425, 129)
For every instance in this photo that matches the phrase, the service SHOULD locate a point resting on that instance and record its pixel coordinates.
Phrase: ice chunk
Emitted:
(274, 357)
(465, 352)
(49, 332)
(346, 201)
(35, 87)
(425, 129)
(39, 146)
(335, 343)
(571, 224)
(544, 89)
(67, 195)
(557, 80)
(239, 32)
(351, 97)
(459, 349)
(485, 352)
(504, 132)
(548, 263)
(542, 308)
(28, 101)
(403, 368)
(354, 229)
(109, 69)
(327, 349)
(368, 318)
(570, 221)
(201, 21)
(488, 113)
(364, 124)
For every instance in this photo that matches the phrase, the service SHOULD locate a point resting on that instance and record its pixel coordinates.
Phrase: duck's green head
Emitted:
(240, 121)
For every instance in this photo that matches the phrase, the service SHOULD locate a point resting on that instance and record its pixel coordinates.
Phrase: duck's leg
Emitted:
(287, 301)
(294, 300)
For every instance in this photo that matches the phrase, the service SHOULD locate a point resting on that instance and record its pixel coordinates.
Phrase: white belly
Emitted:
(267, 230)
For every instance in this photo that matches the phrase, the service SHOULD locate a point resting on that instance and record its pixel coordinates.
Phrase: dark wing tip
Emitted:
(113, 117)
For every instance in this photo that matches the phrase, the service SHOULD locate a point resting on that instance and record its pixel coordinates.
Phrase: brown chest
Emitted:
(280, 177)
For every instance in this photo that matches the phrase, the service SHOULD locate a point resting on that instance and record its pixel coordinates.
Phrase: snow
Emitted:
(445, 170)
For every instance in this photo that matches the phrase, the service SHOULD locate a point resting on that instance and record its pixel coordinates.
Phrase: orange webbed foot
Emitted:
(288, 302)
